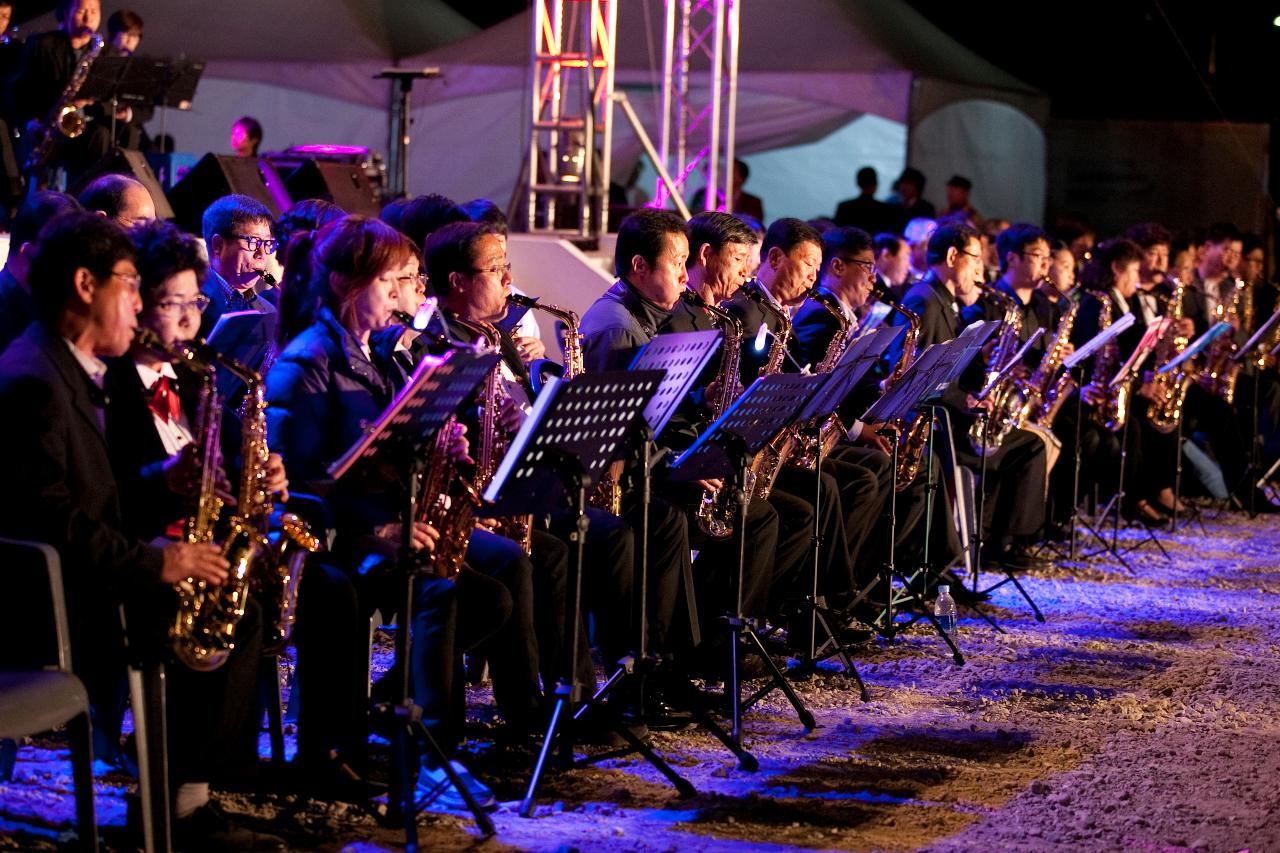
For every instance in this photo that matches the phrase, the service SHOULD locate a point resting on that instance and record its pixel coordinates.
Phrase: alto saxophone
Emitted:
(833, 428)
(912, 437)
(65, 120)
(447, 502)
(493, 439)
(1169, 390)
(716, 511)
(1008, 397)
(1113, 410)
(766, 464)
(1045, 394)
(1220, 372)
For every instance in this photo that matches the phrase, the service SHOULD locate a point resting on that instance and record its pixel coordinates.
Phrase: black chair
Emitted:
(38, 691)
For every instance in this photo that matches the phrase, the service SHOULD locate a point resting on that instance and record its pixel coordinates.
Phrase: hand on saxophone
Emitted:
(510, 415)
(713, 485)
(530, 349)
(184, 560)
(276, 481)
(424, 536)
(459, 449)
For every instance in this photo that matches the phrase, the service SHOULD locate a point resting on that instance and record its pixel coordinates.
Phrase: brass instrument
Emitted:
(833, 428)
(912, 438)
(1009, 396)
(1220, 372)
(1169, 390)
(1045, 393)
(716, 509)
(65, 120)
(570, 337)
(493, 439)
(769, 461)
(1113, 411)
(447, 502)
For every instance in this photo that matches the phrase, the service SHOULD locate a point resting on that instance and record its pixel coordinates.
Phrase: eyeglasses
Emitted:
(253, 244)
(170, 306)
(869, 266)
(1035, 256)
(134, 280)
(971, 254)
(500, 269)
(417, 279)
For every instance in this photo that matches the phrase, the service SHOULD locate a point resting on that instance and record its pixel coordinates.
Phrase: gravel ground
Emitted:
(1140, 716)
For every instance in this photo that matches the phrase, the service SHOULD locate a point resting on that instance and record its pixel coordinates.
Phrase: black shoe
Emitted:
(211, 829)
(1019, 558)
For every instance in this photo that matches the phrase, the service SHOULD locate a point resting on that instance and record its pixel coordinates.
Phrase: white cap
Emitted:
(944, 589)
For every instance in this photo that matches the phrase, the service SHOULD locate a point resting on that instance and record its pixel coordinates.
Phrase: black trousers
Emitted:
(1099, 458)
(1014, 484)
(793, 498)
(1217, 419)
(715, 571)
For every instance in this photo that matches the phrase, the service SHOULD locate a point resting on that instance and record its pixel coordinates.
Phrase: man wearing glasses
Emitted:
(237, 232)
(1024, 260)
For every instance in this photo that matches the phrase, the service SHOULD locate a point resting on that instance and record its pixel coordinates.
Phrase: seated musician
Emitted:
(86, 299)
(321, 392)
(1015, 474)
(237, 234)
(16, 306)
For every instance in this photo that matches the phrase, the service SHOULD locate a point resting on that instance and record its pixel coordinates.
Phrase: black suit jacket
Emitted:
(1195, 305)
(61, 486)
(939, 323)
(751, 316)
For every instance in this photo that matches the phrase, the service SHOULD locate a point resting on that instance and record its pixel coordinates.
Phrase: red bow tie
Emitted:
(164, 401)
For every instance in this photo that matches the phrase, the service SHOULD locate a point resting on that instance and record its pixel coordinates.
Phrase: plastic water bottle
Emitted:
(944, 609)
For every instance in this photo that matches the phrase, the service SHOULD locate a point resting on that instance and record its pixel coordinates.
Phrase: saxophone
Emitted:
(65, 120)
(1113, 411)
(203, 631)
(833, 428)
(1009, 397)
(715, 510)
(769, 461)
(1045, 394)
(494, 439)
(447, 502)
(1169, 390)
(912, 438)
(1220, 373)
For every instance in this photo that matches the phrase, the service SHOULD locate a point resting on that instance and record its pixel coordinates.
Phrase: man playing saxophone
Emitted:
(54, 375)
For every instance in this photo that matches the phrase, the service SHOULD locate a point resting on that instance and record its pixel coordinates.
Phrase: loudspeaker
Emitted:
(344, 184)
(127, 161)
(213, 177)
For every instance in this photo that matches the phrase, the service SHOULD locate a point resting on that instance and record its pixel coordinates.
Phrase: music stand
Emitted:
(726, 450)
(927, 378)
(857, 361)
(1256, 341)
(575, 430)
(406, 432)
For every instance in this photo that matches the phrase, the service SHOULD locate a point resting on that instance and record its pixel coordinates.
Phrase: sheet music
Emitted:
(1099, 340)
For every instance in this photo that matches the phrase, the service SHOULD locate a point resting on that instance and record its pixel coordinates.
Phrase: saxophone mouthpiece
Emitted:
(693, 298)
(880, 290)
(521, 300)
(267, 278)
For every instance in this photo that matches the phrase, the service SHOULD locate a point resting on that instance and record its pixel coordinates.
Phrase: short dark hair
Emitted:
(452, 248)
(71, 241)
(754, 224)
(953, 235)
(35, 212)
(716, 229)
(1222, 232)
(643, 233)
(251, 126)
(163, 251)
(840, 242)
(229, 214)
(741, 166)
(310, 214)
(1097, 274)
(887, 241)
(867, 178)
(124, 21)
(1148, 234)
(1249, 242)
(787, 233)
(483, 210)
(105, 193)
(393, 212)
(426, 213)
(1016, 238)
(912, 175)
(960, 182)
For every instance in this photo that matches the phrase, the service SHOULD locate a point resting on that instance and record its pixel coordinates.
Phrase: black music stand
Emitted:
(405, 434)
(681, 356)
(927, 377)
(727, 449)
(1257, 341)
(861, 356)
(575, 430)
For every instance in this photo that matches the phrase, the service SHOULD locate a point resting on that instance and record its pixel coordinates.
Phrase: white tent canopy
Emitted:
(808, 68)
